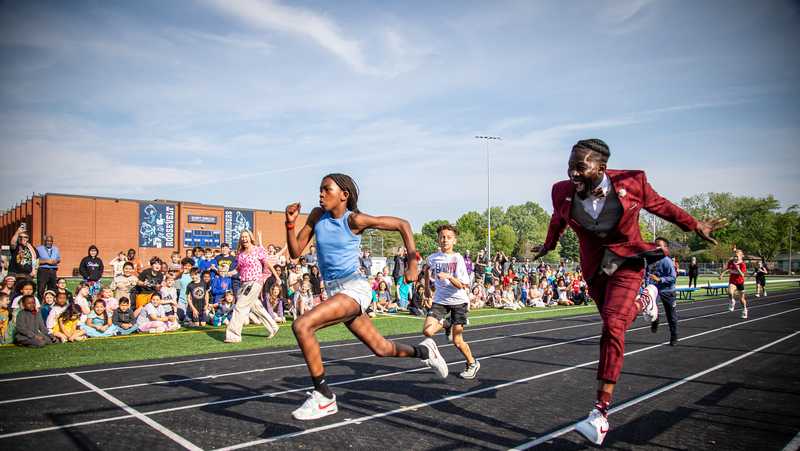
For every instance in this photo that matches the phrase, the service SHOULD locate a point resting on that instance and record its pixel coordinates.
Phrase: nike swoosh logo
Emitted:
(321, 407)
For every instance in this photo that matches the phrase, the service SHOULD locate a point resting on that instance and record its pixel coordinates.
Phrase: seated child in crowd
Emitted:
(224, 310)
(125, 282)
(477, 299)
(124, 318)
(66, 325)
(303, 299)
(30, 328)
(382, 299)
(26, 288)
(58, 308)
(6, 336)
(107, 295)
(81, 299)
(47, 304)
(274, 304)
(98, 321)
(169, 295)
(153, 319)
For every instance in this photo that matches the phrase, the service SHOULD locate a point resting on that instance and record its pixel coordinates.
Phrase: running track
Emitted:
(729, 384)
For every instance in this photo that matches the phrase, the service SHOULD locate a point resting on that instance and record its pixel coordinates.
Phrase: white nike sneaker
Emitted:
(471, 372)
(435, 359)
(733, 305)
(594, 427)
(744, 314)
(649, 305)
(316, 406)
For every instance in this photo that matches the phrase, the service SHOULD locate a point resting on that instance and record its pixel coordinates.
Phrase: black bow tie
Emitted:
(598, 192)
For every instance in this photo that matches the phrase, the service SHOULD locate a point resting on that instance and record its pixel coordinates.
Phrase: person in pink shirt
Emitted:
(254, 268)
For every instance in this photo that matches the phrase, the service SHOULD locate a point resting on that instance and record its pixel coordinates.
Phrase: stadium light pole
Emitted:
(487, 139)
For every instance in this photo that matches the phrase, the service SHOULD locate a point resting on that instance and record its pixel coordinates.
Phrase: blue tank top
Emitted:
(338, 248)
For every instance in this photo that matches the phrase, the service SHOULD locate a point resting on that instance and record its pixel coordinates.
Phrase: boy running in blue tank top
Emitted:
(337, 225)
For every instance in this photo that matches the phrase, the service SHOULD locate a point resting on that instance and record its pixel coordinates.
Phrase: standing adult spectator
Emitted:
(91, 268)
(470, 266)
(662, 274)
(480, 266)
(694, 271)
(49, 258)
(22, 254)
(253, 270)
(366, 262)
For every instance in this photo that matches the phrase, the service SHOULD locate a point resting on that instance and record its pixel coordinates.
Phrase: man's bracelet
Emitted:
(289, 225)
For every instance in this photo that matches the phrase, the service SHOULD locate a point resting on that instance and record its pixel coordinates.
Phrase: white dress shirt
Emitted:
(593, 204)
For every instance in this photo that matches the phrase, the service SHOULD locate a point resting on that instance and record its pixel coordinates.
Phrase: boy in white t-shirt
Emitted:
(451, 300)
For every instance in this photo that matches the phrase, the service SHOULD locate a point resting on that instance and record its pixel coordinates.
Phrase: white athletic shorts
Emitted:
(354, 286)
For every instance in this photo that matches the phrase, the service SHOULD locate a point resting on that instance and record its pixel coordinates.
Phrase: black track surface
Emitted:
(214, 403)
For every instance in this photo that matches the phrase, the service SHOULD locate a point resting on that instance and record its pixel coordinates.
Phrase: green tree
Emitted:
(504, 240)
(529, 222)
(425, 244)
(570, 248)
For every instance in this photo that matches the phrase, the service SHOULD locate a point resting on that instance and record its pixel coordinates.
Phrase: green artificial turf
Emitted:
(208, 340)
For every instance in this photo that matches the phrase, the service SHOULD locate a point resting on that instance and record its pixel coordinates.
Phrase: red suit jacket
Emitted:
(634, 193)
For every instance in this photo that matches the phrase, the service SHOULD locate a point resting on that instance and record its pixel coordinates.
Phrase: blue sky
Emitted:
(248, 103)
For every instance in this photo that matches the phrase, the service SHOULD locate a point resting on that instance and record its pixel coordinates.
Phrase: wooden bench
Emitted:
(685, 293)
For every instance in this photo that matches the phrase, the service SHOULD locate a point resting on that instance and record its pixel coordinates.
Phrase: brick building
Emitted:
(152, 228)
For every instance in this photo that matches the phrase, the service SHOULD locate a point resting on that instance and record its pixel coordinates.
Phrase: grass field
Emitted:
(207, 340)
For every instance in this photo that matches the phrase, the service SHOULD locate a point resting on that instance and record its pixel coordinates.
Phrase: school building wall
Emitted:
(77, 222)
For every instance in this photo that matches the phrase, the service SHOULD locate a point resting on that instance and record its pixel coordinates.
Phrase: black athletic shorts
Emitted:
(739, 286)
(458, 313)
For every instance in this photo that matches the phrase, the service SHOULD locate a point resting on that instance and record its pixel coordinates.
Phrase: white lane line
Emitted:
(646, 396)
(135, 413)
(282, 351)
(469, 393)
(793, 445)
(297, 365)
(340, 345)
(395, 373)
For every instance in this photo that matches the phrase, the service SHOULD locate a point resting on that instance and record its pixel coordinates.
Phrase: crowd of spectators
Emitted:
(200, 288)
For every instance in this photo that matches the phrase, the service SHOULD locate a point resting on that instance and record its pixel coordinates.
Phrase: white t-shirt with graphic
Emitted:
(446, 293)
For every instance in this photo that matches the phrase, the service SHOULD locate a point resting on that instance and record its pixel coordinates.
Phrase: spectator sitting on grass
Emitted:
(124, 318)
(98, 321)
(107, 295)
(47, 304)
(274, 304)
(58, 308)
(123, 283)
(535, 295)
(66, 325)
(81, 299)
(6, 334)
(303, 300)
(153, 319)
(29, 326)
(562, 292)
(26, 288)
(382, 299)
(169, 296)
(8, 285)
(224, 310)
(61, 287)
(477, 298)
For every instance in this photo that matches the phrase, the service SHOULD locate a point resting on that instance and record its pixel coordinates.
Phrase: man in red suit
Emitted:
(602, 207)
